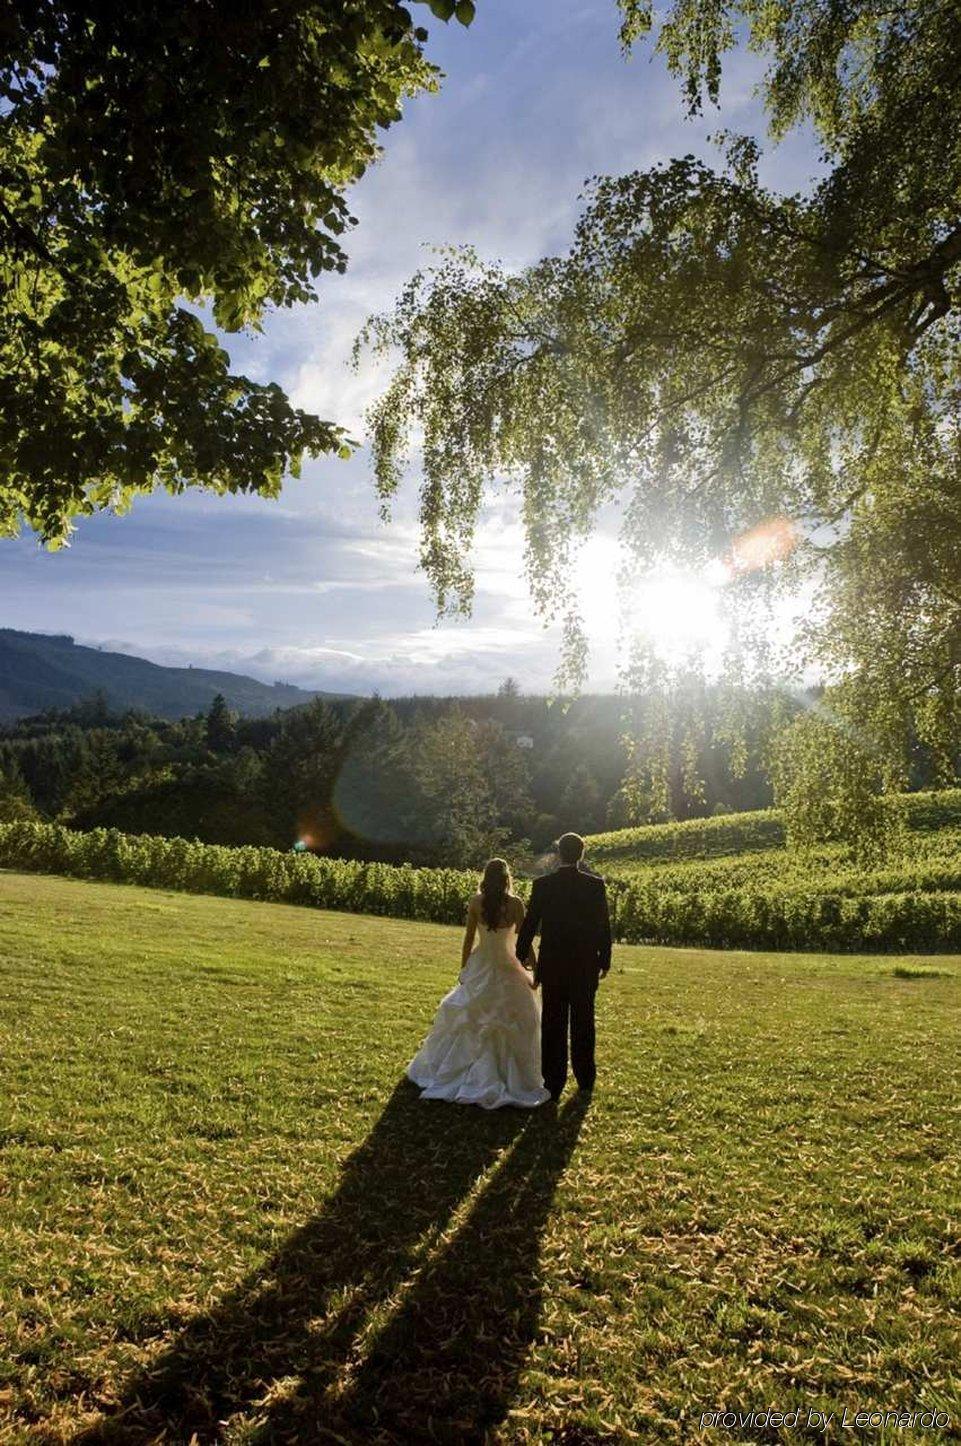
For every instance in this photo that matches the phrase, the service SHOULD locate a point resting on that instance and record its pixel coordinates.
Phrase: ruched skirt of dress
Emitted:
(484, 1046)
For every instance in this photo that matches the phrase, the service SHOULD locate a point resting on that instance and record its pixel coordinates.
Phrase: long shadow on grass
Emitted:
(288, 1349)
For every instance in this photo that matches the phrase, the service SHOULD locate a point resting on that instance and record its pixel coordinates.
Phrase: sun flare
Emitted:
(677, 613)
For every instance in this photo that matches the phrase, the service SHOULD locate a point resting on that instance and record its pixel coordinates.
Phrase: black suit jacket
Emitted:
(569, 907)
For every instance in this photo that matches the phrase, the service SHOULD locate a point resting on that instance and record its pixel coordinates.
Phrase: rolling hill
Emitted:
(732, 881)
(42, 670)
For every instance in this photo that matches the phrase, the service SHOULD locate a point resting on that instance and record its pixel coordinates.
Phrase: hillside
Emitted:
(626, 852)
(40, 671)
(224, 1204)
(731, 881)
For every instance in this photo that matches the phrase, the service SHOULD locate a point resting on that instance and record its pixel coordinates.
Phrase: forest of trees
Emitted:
(419, 779)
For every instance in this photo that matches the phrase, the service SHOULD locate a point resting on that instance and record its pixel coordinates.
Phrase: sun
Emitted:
(677, 613)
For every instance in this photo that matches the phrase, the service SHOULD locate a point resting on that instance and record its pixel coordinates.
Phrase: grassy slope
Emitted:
(217, 1200)
(748, 849)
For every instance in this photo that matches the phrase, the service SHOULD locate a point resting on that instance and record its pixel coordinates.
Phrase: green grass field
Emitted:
(224, 1215)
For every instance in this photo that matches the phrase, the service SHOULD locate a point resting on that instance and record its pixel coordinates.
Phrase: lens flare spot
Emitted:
(770, 541)
(317, 830)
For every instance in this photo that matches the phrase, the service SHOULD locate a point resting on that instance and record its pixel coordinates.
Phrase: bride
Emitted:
(484, 1045)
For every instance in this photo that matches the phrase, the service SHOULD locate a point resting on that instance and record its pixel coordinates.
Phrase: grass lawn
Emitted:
(224, 1213)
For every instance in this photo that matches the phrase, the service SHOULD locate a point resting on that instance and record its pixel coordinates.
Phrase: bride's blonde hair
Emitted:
(494, 889)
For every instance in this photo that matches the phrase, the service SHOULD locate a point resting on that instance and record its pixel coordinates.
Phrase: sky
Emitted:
(313, 588)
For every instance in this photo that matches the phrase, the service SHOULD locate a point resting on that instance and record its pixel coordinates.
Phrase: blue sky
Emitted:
(313, 588)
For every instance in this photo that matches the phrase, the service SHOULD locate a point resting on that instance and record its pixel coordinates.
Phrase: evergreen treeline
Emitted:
(420, 779)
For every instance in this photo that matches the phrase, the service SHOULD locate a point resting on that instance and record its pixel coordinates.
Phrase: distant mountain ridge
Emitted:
(46, 670)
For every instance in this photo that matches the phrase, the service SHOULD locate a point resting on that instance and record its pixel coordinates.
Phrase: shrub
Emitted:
(661, 905)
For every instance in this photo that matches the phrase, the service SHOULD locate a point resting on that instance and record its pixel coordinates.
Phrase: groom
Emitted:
(569, 907)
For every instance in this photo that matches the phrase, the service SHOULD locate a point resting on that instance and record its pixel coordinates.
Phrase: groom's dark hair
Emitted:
(570, 846)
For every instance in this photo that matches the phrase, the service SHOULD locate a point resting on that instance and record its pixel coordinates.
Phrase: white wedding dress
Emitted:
(484, 1047)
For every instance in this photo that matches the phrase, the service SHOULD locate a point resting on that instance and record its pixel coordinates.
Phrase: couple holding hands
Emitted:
(500, 1036)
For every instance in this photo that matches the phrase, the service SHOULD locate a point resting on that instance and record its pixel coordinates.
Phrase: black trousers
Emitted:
(567, 1005)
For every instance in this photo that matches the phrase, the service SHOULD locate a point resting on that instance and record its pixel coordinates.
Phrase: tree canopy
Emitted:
(714, 354)
(150, 158)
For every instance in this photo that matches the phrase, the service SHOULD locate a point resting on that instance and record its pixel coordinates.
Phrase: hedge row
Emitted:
(436, 895)
(642, 913)
(790, 919)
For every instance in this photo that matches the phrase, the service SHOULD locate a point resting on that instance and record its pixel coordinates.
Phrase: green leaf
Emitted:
(90, 329)
(465, 11)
